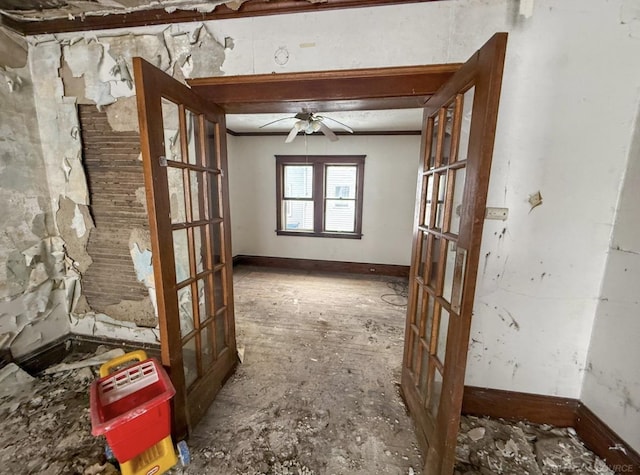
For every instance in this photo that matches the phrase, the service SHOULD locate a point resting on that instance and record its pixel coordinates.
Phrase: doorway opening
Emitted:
(434, 405)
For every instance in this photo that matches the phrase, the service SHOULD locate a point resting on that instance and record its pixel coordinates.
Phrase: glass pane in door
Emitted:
(456, 203)
(449, 267)
(435, 391)
(185, 310)
(193, 137)
(212, 159)
(465, 126)
(221, 331)
(208, 355)
(431, 156)
(196, 181)
(448, 132)
(176, 194)
(443, 323)
(428, 199)
(171, 126)
(216, 243)
(218, 290)
(214, 210)
(190, 361)
(181, 254)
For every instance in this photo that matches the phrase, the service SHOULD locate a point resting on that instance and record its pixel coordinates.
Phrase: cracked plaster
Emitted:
(75, 224)
(36, 287)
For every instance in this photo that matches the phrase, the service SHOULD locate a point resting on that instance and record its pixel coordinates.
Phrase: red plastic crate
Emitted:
(131, 407)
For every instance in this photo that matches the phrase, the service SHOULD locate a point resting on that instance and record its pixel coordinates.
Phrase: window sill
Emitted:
(321, 235)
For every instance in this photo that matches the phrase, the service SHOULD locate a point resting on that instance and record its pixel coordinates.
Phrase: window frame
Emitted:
(318, 194)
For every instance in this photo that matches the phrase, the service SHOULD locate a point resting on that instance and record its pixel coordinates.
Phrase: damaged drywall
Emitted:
(38, 287)
(50, 9)
(197, 53)
(97, 69)
(98, 324)
(123, 115)
(75, 223)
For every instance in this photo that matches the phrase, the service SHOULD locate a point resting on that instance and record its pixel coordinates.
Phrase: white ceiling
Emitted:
(359, 121)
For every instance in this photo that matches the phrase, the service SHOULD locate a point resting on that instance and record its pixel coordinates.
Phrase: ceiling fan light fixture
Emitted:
(309, 123)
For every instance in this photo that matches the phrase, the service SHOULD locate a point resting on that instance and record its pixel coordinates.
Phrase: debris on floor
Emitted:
(316, 394)
(489, 446)
(44, 425)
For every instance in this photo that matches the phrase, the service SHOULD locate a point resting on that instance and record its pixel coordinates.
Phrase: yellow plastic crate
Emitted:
(153, 461)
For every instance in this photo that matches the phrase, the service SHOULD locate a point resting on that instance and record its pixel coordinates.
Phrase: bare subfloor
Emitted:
(316, 394)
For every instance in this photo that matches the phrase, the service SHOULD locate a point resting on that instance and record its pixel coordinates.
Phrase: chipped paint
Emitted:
(39, 315)
(78, 222)
(142, 265)
(535, 200)
(123, 115)
(98, 324)
(74, 221)
(33, 264)
(86, 59)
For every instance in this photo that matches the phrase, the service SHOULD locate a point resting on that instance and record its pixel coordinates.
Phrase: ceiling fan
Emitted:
(309, 123)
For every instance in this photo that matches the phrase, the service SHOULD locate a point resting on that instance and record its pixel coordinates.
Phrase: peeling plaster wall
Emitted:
(612, 379)
(35, 287)
(96, 69)
(388, 203)
(571, 83)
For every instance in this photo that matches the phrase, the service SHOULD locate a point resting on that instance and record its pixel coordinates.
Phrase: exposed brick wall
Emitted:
(114, 173)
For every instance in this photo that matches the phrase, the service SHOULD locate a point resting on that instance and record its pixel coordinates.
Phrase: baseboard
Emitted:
(516, 406)
(317, 265)
(54, 352)
(45, 356)
(557, 411)
(599, 437)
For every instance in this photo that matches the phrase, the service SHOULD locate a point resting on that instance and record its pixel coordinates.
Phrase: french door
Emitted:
(183, 139)
(457, 145)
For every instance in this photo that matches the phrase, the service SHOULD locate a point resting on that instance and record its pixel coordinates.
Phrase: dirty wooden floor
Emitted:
(316, 394)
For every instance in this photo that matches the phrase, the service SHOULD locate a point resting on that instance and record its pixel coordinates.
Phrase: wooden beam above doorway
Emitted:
(326, 91)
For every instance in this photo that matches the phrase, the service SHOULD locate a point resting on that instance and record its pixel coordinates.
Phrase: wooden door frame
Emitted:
(157, 195)
(326, 91)
(354, 89)
(483, 71)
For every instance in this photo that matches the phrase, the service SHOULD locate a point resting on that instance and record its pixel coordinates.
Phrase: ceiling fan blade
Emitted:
(344, 126)
(328, 132)
(274, 121)
(294, 131)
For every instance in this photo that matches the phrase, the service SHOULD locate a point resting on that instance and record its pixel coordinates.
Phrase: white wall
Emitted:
(560, 134)
(571, 84)
(612, 380)
(390, 177)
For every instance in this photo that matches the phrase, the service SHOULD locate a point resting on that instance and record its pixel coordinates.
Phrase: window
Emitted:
(320, 195)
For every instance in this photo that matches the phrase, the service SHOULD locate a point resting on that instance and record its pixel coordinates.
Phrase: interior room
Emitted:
(148, 175)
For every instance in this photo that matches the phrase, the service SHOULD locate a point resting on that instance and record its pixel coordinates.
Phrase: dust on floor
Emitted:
(317, 391)
(316, 394)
